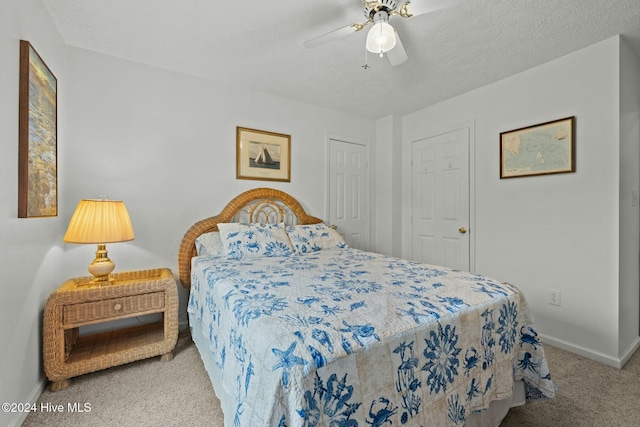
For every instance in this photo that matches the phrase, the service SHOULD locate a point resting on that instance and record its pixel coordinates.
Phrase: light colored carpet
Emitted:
(179, 393)
(590, 394)
(143, 393)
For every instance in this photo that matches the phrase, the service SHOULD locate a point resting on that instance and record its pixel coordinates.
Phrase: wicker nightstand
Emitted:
(68, 354)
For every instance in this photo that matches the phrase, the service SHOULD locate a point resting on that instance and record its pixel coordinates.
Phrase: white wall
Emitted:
(629, 187)
(30, 249)
(559, 231)
(387, 186)
(381, 231)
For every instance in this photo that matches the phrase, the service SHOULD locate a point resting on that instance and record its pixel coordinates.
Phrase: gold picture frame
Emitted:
(542, 149)
(37, 136)
(262, 155)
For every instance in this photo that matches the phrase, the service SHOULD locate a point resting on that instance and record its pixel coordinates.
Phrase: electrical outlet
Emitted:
(554, 297)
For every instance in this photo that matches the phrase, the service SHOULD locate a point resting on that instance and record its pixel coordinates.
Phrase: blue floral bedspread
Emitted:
(347, 338)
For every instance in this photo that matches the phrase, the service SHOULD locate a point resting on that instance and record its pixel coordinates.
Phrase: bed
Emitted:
(297, 329)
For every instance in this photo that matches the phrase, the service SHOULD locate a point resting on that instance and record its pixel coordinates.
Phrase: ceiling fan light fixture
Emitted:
(381, 37)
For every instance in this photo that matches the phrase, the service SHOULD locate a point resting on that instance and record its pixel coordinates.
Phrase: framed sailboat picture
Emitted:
(262, 155)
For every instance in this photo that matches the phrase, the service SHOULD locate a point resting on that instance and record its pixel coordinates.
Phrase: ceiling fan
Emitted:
(382, 37)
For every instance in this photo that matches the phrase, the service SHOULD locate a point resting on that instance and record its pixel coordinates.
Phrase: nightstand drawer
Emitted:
(112, 308)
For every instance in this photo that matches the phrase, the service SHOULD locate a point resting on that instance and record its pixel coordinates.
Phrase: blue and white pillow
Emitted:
(315, 237)
(210, 244)
(251, 240)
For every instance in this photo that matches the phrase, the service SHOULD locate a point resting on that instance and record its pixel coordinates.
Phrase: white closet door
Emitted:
(440, 200)
(348, 192)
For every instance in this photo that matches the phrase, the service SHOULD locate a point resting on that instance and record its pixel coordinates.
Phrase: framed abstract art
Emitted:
(37, 136)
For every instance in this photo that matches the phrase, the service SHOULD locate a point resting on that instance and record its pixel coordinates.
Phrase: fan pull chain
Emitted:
(381, 44)
(366, 65)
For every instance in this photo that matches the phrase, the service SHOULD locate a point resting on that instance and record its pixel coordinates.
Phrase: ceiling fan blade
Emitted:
(420, 7)
(332, 35)
(397, 55)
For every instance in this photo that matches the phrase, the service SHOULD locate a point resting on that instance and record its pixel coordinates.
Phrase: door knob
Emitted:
(462, 230)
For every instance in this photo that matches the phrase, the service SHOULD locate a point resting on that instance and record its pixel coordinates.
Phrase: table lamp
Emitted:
(100, 221)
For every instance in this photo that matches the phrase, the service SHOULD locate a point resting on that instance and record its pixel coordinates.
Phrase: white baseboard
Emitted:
(591, 354)
(33, 397)
(635, 345)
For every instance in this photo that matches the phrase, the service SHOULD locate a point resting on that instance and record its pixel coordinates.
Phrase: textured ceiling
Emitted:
(259, 45)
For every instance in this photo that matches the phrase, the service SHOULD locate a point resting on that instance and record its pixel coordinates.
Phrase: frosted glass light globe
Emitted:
(381, 38)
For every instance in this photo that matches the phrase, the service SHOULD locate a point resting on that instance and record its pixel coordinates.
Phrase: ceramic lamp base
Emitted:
(101, 267)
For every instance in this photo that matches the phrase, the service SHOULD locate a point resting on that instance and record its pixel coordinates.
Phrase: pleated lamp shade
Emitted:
(100, 221)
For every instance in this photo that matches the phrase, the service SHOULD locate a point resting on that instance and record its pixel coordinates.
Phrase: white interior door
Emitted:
(348, 191)
(440, 200)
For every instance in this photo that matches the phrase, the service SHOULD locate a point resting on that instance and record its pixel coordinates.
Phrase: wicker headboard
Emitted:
(260, 205)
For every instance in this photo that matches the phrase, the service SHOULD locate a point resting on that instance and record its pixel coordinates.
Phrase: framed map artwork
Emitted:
(37, 136)
(542, 149)
(263, 155)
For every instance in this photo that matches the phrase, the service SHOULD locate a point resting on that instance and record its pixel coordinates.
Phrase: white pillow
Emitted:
(315, 237)
(250, 240)
(210, 244)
